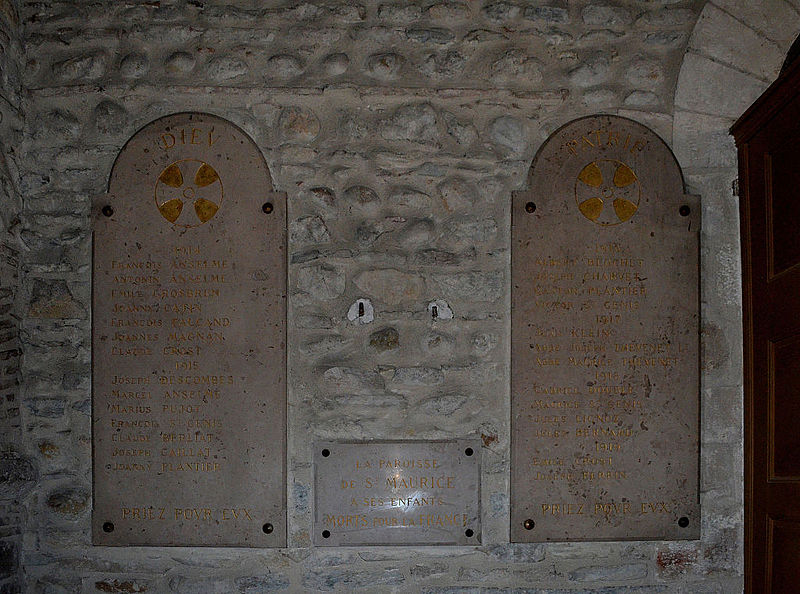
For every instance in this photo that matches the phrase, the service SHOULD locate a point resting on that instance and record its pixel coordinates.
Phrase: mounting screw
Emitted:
(529, 524)
(683, 522)
(107, 211)
(530, 207)
(267, 207)
(469, 451)
(469, 533)
(108, 527)
(267, 528)
(684, 210)
(326, 452)
(326, 534)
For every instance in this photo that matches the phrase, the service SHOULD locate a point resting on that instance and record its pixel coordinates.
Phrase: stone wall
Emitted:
(16, 469)
(399, 132)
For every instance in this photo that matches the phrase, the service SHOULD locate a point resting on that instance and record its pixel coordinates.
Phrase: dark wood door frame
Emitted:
(755, 133)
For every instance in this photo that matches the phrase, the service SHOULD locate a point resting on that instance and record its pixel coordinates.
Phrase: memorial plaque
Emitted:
(189, 342)
(605, 371)
(397, 493)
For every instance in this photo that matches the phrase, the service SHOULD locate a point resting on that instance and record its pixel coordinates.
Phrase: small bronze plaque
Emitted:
(189, 342)
(605, 370)
(397, 493)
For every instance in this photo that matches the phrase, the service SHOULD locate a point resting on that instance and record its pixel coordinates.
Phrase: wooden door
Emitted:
(768, 138)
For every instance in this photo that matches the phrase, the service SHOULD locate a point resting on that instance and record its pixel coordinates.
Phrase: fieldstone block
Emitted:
(594, 71)
(516, 553)
(322, 281)
(69, 501)
(606, 16)
(284, 66)
(124, 586)
(385, 66)
(360, 195)
(666, 17)
(442, 405)
(501, 11)
(642, 99)
(180, 62)
(310, 229)
(9, 558)
(335, 64)
(387, 339)
(484, 342)
(269, 582)
(417, 232)
(325, 345)
(223, 69)
(430, 35)
(391, 286)
(510, 133)
(418, 376)
(457, 193)
(59, 123)
(645, 74)
(298, 124)
(353, 380)
(49, 408)
(401, 12)
(110, 117)
(54, 300)
(470, 231)
(416, 123)
(134, 65)
(90, 66)
(610, 572)
(327, 579)
(548, 14)
(448, 11)
(445, 64)
(16, 475)
(464, 134)
(473, 286)
(516, 67)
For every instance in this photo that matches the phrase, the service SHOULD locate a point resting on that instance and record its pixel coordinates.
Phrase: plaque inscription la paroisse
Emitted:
(605, 312)
(188, 341)
(397, 493)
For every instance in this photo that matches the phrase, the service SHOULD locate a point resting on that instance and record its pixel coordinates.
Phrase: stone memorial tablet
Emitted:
(397, 493)
(605, 310)
(189, 342)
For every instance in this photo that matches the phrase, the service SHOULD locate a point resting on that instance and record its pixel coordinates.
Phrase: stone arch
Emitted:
(735, 51)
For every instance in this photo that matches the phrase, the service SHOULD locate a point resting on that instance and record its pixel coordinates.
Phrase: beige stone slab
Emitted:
(397, 493)
(605, 313)
(189, 342)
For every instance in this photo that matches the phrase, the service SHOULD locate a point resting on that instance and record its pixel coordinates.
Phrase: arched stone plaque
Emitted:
(604, 355)
(189, 341)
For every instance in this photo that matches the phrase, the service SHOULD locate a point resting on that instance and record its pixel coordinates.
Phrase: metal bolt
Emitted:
(683, 522)
(326, 534)
(267, 207)
(684, 210)
(469, 532)
(108, 527)
(469, 451)
(267, 528)
(529, 524)
(108, 210)
(530, 207)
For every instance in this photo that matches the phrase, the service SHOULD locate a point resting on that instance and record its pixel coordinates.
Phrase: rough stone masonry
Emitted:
(398, 131)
